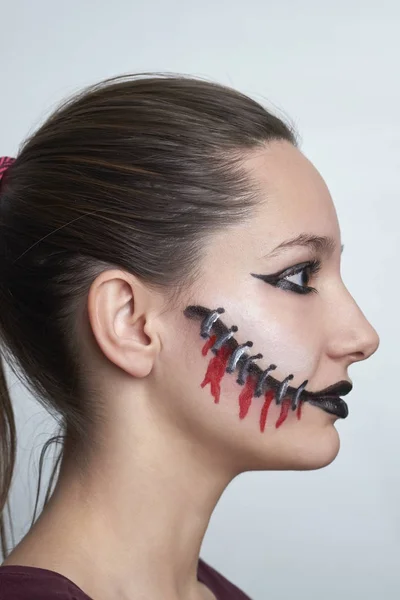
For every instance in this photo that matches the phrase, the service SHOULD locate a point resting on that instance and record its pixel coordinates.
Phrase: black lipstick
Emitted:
(334, 406)
(329, 399)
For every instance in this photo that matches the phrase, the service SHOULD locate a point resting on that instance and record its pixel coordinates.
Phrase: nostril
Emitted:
(357, 356)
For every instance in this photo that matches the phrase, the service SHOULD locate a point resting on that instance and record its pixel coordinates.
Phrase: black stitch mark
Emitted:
(209, 322)
(224, 338)
(262, 379)
(244, 368)
(283, 389)
(296, 396)
(236, 354)
(220, 329)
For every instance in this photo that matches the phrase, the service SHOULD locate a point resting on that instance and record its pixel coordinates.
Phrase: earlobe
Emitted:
(118, 310)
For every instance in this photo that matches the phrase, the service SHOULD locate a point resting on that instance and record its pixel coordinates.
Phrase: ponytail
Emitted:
(8, 450)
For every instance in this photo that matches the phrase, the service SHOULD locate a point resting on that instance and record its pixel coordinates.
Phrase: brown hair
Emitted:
(133, 172)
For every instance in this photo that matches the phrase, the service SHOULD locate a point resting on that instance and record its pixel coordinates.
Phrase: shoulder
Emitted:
(34, 583)
(218, 584)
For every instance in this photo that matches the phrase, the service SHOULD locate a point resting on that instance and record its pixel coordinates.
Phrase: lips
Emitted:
(334, 406)
(342, 388)
(329, 399)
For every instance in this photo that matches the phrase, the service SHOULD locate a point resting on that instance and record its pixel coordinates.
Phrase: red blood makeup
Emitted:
(229, 357)
(216, 370)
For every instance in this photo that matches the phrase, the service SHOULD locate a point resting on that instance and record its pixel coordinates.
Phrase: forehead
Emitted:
(293, 196)
(293, 201)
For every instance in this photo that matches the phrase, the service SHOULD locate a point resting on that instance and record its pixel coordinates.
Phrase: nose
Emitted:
(353, 337)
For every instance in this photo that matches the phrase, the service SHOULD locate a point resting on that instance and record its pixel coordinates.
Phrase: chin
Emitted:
(317, 449)
(304, 448)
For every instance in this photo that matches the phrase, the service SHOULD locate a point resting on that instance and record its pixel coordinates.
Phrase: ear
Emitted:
(120, 314)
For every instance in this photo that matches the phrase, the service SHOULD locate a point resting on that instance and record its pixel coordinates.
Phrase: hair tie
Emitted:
(5, 163)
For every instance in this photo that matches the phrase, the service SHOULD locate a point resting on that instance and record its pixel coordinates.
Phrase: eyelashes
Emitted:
(280, 280)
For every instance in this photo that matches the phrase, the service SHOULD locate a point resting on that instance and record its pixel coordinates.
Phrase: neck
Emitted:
(133, 518)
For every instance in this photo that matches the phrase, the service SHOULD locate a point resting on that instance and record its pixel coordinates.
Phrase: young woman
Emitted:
(170, 288)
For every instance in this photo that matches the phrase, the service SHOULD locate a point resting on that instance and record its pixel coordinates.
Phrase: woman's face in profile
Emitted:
(277, 276)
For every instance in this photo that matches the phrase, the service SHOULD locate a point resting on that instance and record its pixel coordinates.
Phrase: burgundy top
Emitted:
(33, 583)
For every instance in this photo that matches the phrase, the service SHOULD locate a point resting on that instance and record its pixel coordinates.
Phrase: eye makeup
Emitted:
(230, 357)
(281, 279)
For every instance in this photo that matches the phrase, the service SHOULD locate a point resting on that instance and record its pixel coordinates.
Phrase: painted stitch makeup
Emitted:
(231, 357)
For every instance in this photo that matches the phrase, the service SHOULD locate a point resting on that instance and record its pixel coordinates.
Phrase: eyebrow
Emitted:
(321, 245)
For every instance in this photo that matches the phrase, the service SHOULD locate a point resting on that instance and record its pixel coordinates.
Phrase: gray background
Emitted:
(334, 68)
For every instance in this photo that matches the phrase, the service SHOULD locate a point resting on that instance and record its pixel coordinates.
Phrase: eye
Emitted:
(301, 278)
(295, 279)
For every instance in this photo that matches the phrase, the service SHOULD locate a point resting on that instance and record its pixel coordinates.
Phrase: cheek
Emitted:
(287, 338)
(278, 341)
(286, 345)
